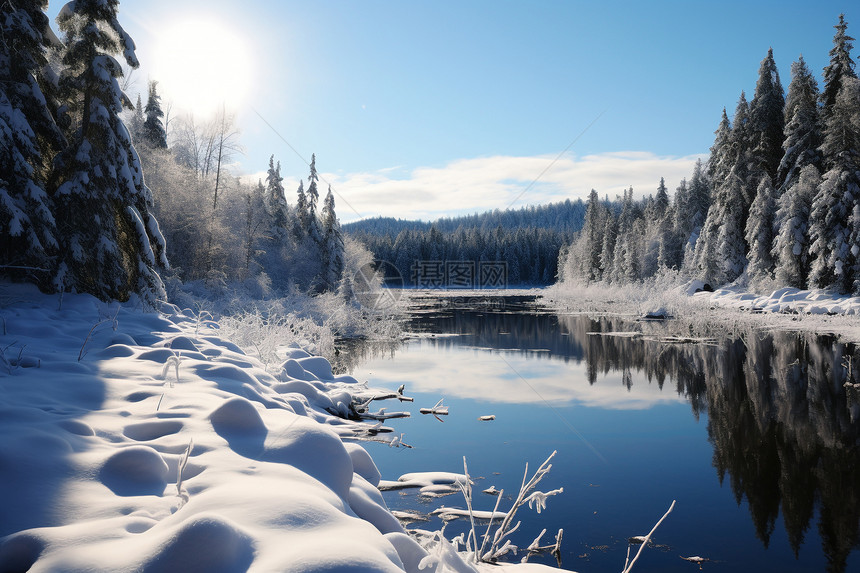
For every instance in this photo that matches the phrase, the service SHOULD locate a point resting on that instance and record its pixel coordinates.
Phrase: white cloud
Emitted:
(511, 378)
(499, 182)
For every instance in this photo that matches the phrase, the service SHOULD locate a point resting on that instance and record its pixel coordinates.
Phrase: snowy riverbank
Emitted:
(731, 308)
(133, 441)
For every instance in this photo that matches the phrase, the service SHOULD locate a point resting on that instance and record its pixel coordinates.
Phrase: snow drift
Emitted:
(133, 441)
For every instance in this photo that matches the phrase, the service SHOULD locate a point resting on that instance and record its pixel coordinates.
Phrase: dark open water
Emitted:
(755, 436)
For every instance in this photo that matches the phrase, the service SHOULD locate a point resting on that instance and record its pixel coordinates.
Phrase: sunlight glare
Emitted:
(201, 65)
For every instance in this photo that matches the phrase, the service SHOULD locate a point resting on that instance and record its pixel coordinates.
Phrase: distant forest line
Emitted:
(528, 241)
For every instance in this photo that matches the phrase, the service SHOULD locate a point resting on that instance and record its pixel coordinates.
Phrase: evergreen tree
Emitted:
(690, 215)
(699, 193)
(111, 244)
(791, 246)
(717, 258)
(742, 162)
(333, 245)
(607, 250)
(136, 124)
(720, 161)
(730, 246)
(681, 210)
(635, 252)
(841, 66)
(276, 202)
(625, 265)
(661, 200)
(154, 134)
(592, 234)
(767, 121)
(672, 253)
(29, 137)
(313, 196)
(658, 233)
(802, 134)
(721, 165)
(760, 233)
(833, 240)
(301, 230)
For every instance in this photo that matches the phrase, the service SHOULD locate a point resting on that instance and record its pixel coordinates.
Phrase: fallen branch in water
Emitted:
(628, 565)
(437, 410)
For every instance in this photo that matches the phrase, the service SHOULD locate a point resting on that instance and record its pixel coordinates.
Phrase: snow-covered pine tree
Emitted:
(659, 235)
(720, 161)
(791, 246)
(111, 245)
(653, 211)
(802, 133)
(332, 245)
(742, 162)
(730, 246)
(276, 203)
(300, 230)
(680, 212)
(661, 200)
(635, 243)
(313, 195)
(135, 125)
(698, 203)
(760, 233)
(841, 66)
(154, 134)
(29, 137)
(833, 236)
(607, 250)
(592, 239)
(734, 192)
(625, 267)
(672, 252)
(767, 122)
(720, 165)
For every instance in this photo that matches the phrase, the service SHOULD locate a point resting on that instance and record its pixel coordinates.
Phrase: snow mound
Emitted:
(134, 441)
(135, 470)
(786, 300)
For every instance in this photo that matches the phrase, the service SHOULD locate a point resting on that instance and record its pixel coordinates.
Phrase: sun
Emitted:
(201, 65)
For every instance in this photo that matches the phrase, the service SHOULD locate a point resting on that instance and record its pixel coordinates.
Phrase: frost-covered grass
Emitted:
(491, 546)
(261, 320)
(732, 308)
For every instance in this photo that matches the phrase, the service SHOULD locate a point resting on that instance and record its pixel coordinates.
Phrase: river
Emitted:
(755, 435)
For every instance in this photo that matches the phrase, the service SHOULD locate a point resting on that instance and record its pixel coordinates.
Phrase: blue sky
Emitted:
(431, 108)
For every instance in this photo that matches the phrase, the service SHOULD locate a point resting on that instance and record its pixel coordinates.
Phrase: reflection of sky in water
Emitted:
(736, 466)
(614, 445)
(509, 377)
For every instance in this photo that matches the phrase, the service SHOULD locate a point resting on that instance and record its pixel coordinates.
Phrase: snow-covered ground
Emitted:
(142, 441)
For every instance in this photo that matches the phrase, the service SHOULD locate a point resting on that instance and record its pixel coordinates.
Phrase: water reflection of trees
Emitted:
(786, 434)
(352, 352)
(783, 426)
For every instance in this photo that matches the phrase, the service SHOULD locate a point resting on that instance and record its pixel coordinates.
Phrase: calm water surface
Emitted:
(755, 436)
